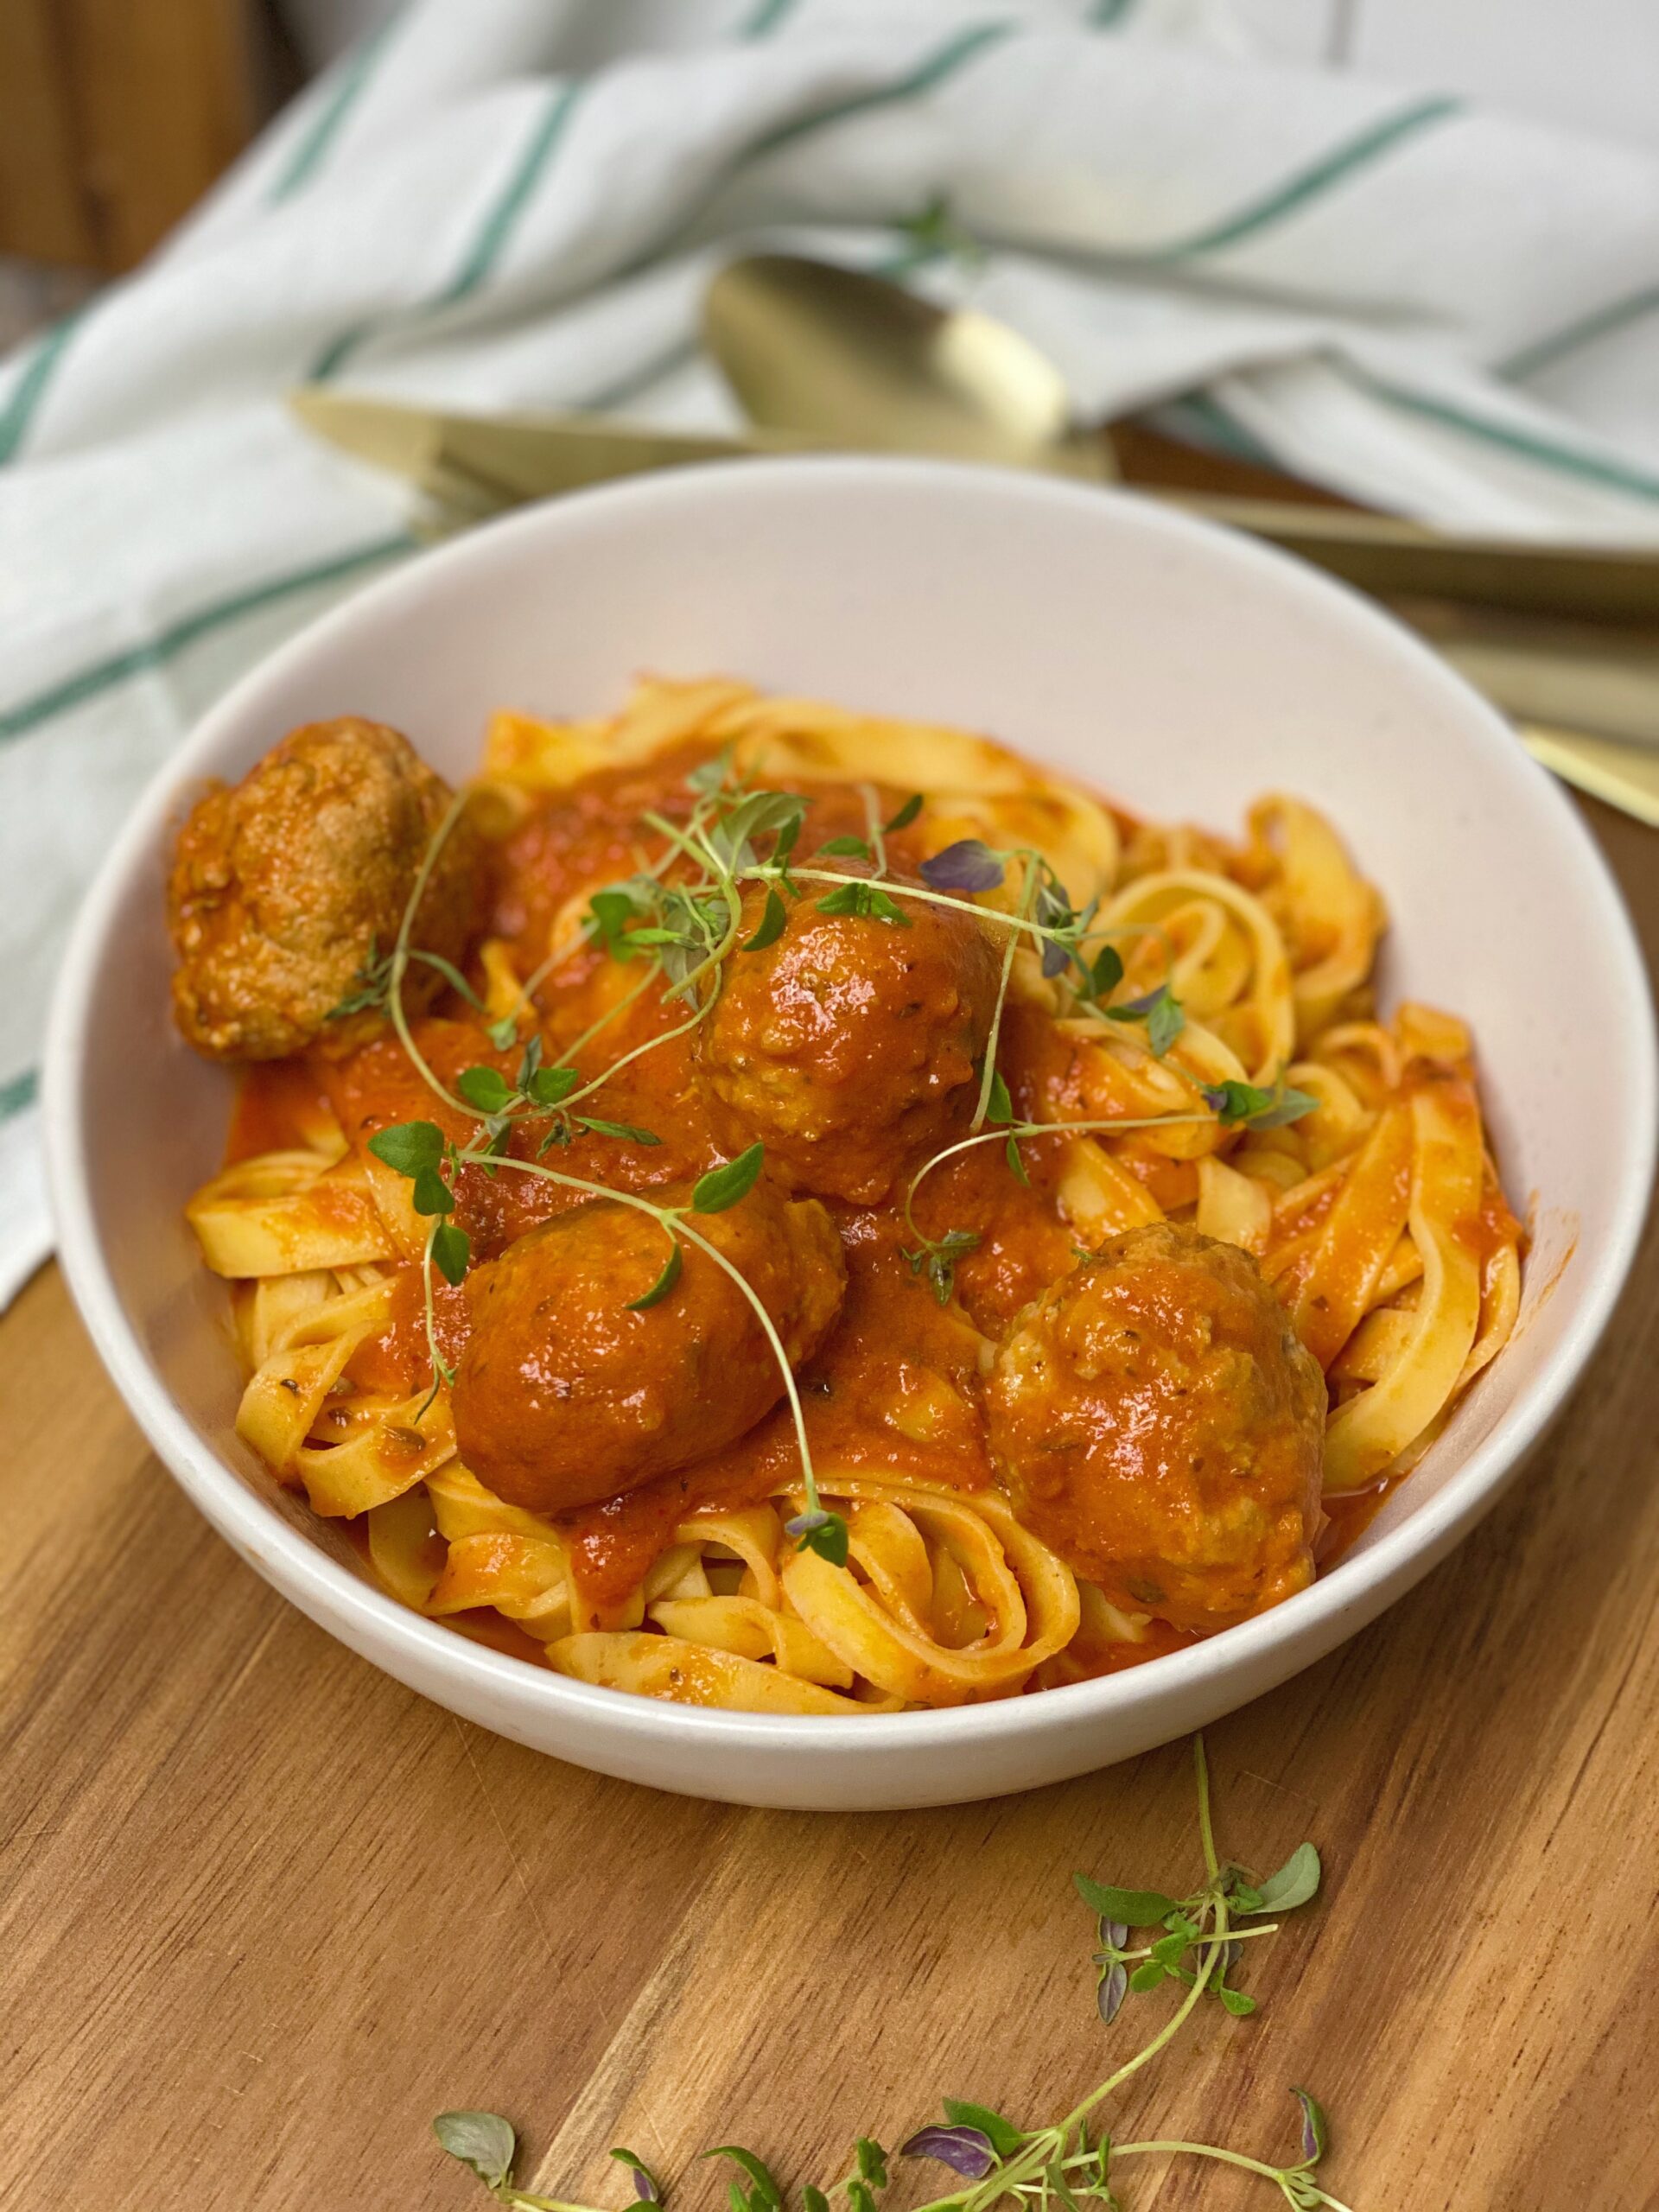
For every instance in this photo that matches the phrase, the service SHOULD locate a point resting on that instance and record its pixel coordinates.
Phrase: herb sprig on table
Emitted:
(681, 919)
(1047, 2169)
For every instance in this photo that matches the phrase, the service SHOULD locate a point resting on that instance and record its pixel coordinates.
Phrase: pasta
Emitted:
(1101, 1253)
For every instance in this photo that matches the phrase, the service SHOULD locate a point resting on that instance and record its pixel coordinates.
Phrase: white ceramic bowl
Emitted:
(1184, 669)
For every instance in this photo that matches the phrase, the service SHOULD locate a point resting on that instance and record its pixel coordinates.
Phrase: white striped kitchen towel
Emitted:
(517, 203)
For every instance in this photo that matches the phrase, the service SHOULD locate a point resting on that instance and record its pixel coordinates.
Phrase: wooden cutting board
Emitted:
(263, 1912)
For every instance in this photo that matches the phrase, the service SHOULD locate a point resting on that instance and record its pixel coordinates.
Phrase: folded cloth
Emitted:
(518, 204)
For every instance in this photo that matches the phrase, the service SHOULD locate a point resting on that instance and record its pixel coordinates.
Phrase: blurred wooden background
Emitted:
(116, 115)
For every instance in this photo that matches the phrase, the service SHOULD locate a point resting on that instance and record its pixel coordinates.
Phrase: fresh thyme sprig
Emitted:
(682, 915)
(1050, 2169)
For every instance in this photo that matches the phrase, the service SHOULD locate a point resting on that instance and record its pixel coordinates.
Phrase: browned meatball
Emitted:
(848, 1045)
(562, 1397)
(1157, 1421)
(281, 883)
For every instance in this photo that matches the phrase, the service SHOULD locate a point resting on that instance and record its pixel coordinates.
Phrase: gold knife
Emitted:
(471, 466)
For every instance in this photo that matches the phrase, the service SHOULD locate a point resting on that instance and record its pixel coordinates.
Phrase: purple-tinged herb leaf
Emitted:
(820, 1532)
(969, 865)
(966, 2151)
(1114, 1988)
(1240, 1104)
(1056, 958)
(1115, 1932)
(1316, 2136)
(647, 2189)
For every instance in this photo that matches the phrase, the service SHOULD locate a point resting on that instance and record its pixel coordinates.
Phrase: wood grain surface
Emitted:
(263, 1912)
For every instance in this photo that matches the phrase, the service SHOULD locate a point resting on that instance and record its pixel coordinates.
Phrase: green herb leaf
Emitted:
(485, 1088)
(450, 973)
(1297, 1880)
(1161, 1012)
(451, 1251)
(504, 1033)
(1003, 2135)
(482, 2140)
(845, 898)
(906, 814)
(1165, 1022)
(611, 911)
(853, 849)
(820, 1532)
(408, 1147)
(1011, 1151)
(1147, 1976)
(864, 898)
(431, 1193)
(1106, 972)
(766, 2191)
(772, 918)
(1001, 1107)
(872, 2162)
(625, 1132)
(882, 908)
(813, 2200)
(647, 2188)
(858, 2196)
(1134, 1908)
(550, 1086)
(665, 1282)
(1236, 2002)
(723, 1186)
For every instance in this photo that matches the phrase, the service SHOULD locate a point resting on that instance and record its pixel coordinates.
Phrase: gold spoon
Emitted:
(808, 348)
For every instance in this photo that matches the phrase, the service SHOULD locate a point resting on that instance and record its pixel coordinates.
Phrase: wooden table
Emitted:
(264, 1912)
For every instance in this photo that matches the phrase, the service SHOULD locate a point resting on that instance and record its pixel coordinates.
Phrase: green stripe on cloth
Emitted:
(1528, 445)
(940, 64)
(1313, 183)
(350, 80)
(501, 218)
(1619, 314)
(156, 652)
(26, 398)
(766, 18)
(20, 1093)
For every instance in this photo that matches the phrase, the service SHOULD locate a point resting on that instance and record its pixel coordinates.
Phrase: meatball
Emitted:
(563, 1397)
(848, 1045)
(1157, 1421)
(283, 884)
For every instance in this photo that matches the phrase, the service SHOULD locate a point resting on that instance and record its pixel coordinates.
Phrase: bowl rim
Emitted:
(372, 1621)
